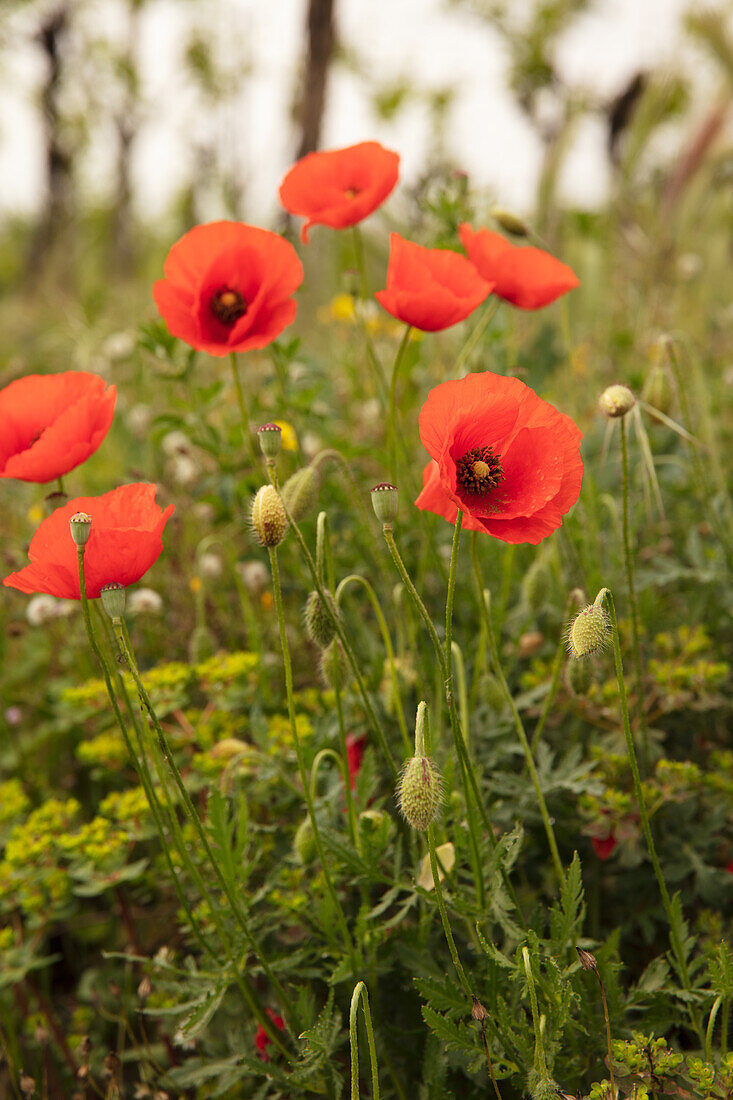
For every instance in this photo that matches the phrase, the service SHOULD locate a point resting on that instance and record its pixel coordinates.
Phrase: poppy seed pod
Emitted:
(270, 437)
(385, 501)
(319, 619)
(80, 526)
(418, 792)
(269, 522)
(588, 631)
(300, 492)
(616, 401)
(509, 222)
(113, 600)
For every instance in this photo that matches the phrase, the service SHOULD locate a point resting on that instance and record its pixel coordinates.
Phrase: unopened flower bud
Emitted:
(269, 522)
(616, 401)
(418, 792)
(478, 1011)
(588, 631)
(300, 492)
(587, 960)
(319, 619)
(270, 437)
(333, 662)
(536, 585)
(113, 600)
(375, 827)
(80, 526)
(510, 222)
(385, 500)
(304, 843)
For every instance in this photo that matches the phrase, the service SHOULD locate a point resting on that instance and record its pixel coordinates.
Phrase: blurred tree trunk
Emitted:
(321, 41)
(127, 124)
(58, 158)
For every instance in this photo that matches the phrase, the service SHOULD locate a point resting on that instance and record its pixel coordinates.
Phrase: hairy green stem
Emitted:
(393, 403)
(465, 984)
(288, 669)
(629, 562)
(360, 991)
(485, 603)
(484, 321)
(675, 940)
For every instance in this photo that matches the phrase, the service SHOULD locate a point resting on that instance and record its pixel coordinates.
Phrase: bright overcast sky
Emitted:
(422, 39)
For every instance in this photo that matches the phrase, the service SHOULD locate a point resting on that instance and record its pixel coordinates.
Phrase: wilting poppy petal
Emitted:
(124, 542)
(339, 187)
(228, 287)
(526, 277)
(262, 1039)
(51, 423)
(503, 456)
(430, 288)
(355, 747)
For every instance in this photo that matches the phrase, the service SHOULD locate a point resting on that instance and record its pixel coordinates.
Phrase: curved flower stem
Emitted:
(340, 633)
(485, 602)
(674, 934)
(629, 561)
(348, 793)
(248, 440)
(465, 984)
(484, 321)
(556, 669)
(123, 640)
(360, 990)
(340, 917)
(393, 402)
(356, 578)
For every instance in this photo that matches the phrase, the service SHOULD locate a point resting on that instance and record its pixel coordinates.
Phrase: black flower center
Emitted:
(228, 305)
(478, 472)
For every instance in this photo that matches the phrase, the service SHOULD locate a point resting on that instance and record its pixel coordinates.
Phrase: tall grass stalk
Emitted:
(629, 562)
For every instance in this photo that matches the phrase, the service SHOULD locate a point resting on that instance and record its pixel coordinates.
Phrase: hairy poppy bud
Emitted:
(385, 500)
(80, 526)
(304, 844)
(510, 222)
(269, 522)
(319, 619)
(113, 600)
(270, 437)
(333, 659)
(536, 585)
(588, 631)
(418, 792)
(616, 401)
(300, 492)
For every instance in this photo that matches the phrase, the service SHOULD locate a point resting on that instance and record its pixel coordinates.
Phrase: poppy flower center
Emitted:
(228, 306)
(352, 192)
(478, 472)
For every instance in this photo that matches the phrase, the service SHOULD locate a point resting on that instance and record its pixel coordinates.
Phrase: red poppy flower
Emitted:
(262, 1039)
(51, 423)
(603, 846)
(228, 287)
(341, 187)
(509, 460)
(430, 288)
(123, 543)
(526, 277)
(354, 752)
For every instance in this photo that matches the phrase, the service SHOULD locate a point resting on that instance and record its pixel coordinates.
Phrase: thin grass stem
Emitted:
(360, 991)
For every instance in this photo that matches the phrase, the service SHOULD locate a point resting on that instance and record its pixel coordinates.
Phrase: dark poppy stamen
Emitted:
(228, 306)
(478, 472)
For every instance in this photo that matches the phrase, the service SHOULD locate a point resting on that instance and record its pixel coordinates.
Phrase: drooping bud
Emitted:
(113, 600)
(616, 401)
(589, 631)
(319, 619)
(511, 223)
(270, 437)
(478, 1011)
(418, 792)
(300, 492)
(657, 390)
(269, 522)
(385, 501)
(80, 526)
(304, 843)
(333, 662)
